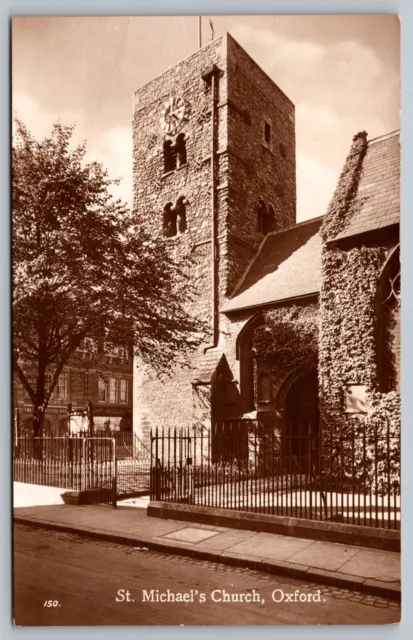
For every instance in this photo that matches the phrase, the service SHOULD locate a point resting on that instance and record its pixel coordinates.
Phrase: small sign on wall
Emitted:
(355, 400)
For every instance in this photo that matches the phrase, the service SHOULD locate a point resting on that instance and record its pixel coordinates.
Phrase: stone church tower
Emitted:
(214, 172)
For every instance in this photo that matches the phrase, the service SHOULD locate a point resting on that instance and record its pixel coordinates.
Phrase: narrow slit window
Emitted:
(267, 133)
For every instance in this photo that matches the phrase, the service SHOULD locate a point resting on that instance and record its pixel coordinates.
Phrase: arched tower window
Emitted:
(388, 314)
(169, 221)
(174, 218)
(181, 150)
(169, 156)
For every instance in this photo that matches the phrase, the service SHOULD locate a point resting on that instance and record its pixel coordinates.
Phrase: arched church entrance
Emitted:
(301, 430)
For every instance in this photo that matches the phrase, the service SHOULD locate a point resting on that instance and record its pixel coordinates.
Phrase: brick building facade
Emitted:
(214, 172)
(102, 377)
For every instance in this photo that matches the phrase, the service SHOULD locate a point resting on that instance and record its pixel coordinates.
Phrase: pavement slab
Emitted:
(323, 555)
(191, 534)
(268, 545)
(226, 540)
(371, 563)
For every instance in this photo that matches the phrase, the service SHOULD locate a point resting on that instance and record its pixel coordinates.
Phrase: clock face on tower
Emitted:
(173, 115)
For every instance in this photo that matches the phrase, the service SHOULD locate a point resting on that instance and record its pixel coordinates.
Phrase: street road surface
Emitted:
(64, 579)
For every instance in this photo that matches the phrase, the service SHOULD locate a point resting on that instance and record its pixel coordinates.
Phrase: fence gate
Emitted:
(99, 470)
(172, 466)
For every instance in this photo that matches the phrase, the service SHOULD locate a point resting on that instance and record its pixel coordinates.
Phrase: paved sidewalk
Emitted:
(368, 570)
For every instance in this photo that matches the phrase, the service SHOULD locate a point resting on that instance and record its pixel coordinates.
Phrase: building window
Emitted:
(181, 214)
(169, 221)
(123, 390)
(267, 133)
(174, 218)
(169, 156)
(113, 390)
(115, 351)
(265, 218)
(181, 150)
(60, 391)
(174, 155)
(102, 390)
(88, 346)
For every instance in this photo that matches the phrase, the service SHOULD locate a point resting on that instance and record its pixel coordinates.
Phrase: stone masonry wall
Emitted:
(245, 172)
(168, 401)
(257, 170)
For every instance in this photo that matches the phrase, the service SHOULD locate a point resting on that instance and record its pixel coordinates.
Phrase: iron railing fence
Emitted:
(81, 464)
(128, 444)
(350, 476)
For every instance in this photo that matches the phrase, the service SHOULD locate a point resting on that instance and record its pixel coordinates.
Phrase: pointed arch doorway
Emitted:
(301, 429)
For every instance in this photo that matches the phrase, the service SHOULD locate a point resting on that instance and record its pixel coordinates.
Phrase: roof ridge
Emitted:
(385, 136)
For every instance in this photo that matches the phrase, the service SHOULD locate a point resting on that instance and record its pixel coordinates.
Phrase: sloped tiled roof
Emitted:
(379, 187)
(287, 265)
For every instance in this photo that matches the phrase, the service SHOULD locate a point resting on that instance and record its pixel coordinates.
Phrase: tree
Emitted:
(84, 267)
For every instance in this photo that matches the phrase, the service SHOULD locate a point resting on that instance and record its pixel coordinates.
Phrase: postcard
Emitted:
(206, 320)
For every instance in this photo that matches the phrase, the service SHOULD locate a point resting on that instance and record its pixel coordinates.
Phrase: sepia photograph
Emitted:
(206, 320)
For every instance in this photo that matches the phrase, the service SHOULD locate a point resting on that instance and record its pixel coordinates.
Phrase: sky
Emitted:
(341, 72)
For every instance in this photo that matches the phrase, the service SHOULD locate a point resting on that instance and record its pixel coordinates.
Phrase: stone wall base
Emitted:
(374, 538)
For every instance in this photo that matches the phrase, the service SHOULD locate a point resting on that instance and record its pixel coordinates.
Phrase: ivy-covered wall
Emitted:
(348, 345)
(287, 341)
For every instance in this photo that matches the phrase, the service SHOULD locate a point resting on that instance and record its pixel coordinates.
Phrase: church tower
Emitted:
(214, 172)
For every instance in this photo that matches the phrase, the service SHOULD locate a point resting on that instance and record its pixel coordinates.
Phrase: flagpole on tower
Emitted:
(199, 32)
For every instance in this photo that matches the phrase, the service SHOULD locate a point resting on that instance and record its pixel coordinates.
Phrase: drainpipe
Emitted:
(211, 76)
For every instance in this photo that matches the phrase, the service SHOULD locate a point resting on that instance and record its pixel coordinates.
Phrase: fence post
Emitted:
(70, 451)
(16, 431)
(91, 418)
(69, 414)
(157, 468)
(113, 469)
(83, 466)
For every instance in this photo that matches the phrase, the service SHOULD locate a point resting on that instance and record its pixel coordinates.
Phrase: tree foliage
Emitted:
(83, 267)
